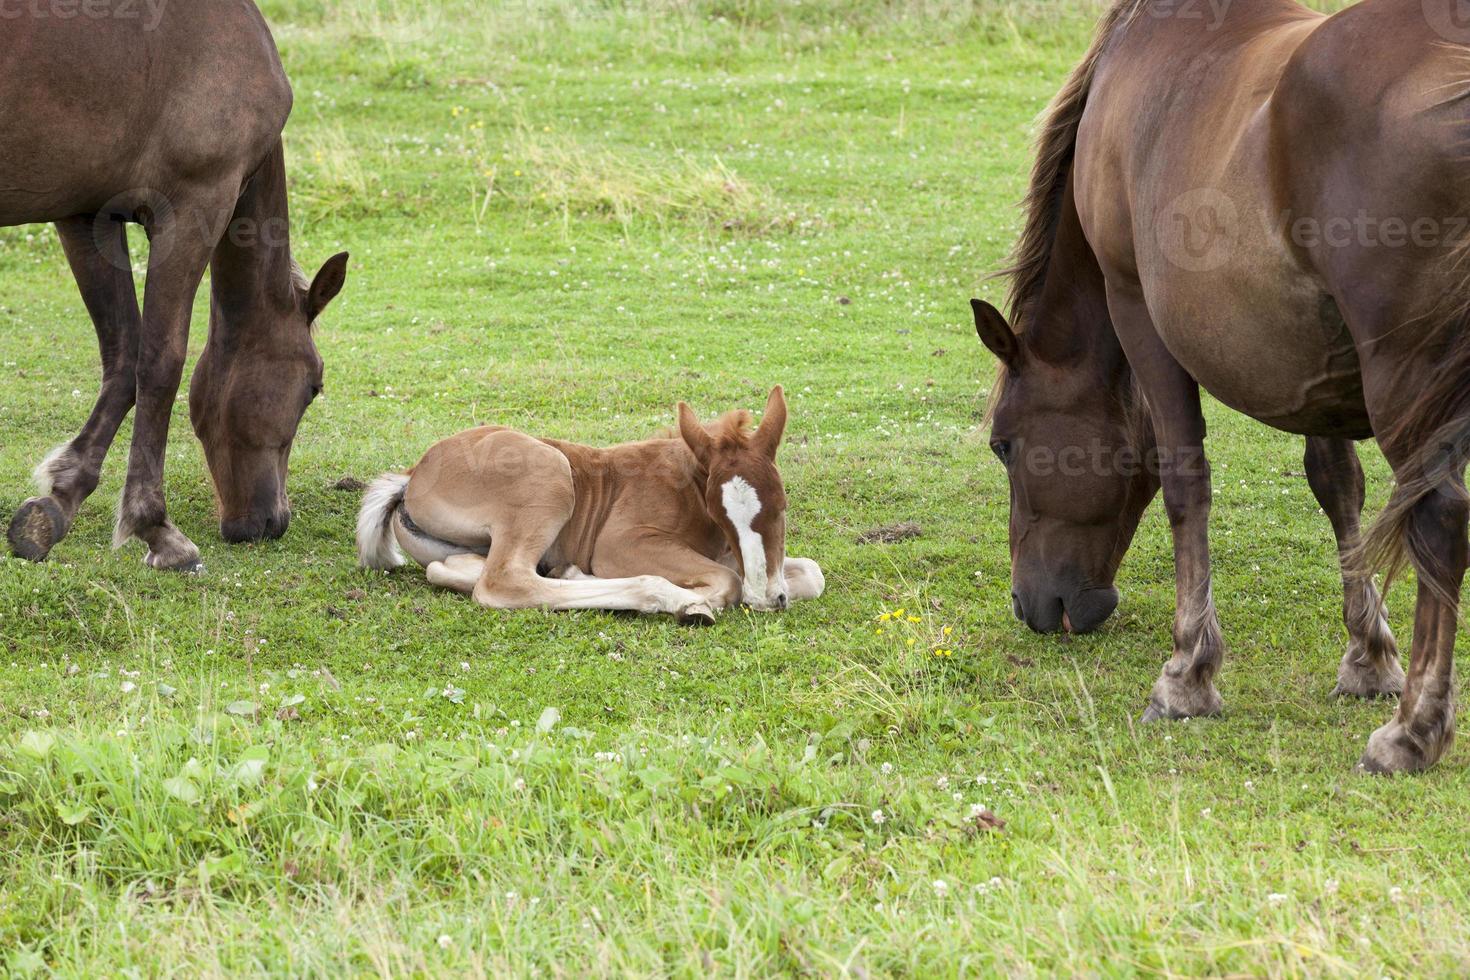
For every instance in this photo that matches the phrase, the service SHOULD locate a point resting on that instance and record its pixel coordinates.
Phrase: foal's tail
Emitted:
(1434, 436)
(376, 545)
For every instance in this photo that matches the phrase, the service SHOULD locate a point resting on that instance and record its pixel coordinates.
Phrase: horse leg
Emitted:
(1370, 668)
(181, 247)
(804, 579)
(507, 577)
(717, 586)
(70, 473)
(1186, 687)
(1423, 728)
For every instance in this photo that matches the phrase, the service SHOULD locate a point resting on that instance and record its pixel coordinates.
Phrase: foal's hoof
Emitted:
(36, 528)
(698, 614)
(1391, 749)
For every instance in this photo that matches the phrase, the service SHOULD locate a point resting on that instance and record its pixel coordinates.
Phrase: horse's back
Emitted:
(182, 94)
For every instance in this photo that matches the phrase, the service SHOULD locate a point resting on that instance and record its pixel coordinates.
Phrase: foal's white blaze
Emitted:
(742, 506)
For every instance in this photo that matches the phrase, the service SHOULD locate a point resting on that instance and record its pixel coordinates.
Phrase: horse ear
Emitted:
(694, 435)
(996, 333)
(327, 284)
(767, 438)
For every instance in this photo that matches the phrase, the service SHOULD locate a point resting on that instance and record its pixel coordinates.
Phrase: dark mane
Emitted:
(1056, 145)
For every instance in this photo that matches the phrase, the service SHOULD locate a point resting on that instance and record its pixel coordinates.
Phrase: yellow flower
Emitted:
(911, 642)
(915, 619)
(947, 631)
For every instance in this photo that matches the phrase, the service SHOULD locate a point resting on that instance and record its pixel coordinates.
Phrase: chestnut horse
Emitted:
(170, 118)
(688, 525)
(1271, 206)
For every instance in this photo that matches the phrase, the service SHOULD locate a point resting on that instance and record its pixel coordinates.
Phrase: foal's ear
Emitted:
(327, 284)
(694, 435)
(995, 332)
(767, 438)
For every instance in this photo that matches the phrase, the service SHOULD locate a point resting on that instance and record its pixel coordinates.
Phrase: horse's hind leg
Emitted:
(98, 252)
(1370, 668)
(1423, 728)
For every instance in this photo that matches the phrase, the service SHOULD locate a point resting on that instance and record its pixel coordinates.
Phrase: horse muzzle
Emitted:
(238, 530)
(1081, 612)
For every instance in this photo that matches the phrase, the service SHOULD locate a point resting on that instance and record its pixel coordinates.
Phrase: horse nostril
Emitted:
(1017, 610)
(781, 601)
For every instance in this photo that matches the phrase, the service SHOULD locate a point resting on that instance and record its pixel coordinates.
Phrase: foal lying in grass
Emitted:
(687, 525)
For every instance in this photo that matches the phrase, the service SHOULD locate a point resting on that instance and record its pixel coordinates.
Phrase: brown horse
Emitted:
(1269, 204)
(688, 525)
(169, 116)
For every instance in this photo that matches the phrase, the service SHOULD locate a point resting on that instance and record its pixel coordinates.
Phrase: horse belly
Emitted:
(1281, 354)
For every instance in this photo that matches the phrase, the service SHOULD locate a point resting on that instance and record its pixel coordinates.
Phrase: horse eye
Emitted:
(1002, 450)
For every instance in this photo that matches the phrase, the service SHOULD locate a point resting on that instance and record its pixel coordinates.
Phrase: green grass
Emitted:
(566, 217)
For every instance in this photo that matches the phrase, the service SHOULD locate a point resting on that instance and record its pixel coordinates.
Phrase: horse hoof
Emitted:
(186, 564)
(36, 528)
(1390, 750)
(1367, 681)
(699, 614)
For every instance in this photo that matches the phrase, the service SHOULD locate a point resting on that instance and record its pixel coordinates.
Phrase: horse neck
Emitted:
(252, 277)
(1068, 322)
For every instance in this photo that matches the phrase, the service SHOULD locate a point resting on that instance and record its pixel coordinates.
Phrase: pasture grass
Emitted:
(566, 217)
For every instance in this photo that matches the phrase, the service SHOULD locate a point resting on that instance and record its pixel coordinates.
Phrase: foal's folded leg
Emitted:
(804, 579)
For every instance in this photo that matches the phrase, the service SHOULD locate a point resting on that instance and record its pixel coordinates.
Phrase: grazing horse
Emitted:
(1271, 206)
(170, 119)
(688, 525)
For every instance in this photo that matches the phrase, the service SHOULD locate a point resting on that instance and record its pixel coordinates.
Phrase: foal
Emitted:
(687, 525)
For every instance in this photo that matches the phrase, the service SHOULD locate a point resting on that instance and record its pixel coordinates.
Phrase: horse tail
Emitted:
(1433, 435)
(376, 545)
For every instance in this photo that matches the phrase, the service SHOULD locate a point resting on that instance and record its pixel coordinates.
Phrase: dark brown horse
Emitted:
(169, 116)
(1270, 204)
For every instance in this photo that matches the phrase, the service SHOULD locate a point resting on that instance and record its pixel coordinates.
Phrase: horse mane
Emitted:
(732, 430)
(1056, 146)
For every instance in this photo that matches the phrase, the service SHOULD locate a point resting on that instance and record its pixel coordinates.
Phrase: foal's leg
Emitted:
(1186, 687)
(1370, 668)
(804, 579)
(182, 242)
(507, 579)
(716, 585)
(69, 475)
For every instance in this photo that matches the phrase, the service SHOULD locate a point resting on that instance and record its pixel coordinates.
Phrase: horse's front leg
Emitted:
(97, 249)
(1186, 688)
(181, 247)
(1370, 668)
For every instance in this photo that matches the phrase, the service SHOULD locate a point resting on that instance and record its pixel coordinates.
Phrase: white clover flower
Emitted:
(1276, 898)
(878, 817)
(941, 888)
(886, 769)
(444, 941)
